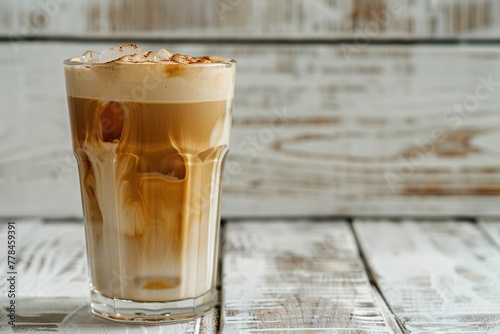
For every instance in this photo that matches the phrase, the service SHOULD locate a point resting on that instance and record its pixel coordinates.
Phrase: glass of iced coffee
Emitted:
(150, 134)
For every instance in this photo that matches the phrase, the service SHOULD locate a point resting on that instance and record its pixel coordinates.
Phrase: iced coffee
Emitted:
(150, 134)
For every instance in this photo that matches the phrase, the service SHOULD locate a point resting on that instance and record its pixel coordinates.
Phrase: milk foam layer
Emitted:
(126, 73)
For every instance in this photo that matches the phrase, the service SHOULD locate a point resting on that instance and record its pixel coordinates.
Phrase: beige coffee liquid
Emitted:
(150, 176)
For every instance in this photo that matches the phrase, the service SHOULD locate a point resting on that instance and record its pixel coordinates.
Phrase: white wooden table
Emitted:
(293, 276)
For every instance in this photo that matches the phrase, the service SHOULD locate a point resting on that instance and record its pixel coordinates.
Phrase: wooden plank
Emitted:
(386, 312)
(437, 277)
(72, 315)
(259, 19)
(50, 259)
(492, 228)
(296, 277)
(52, 285)
(314, 131)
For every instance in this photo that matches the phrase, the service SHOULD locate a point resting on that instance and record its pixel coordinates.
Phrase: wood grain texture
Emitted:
(386, 312)
(296, 277)
(492, 229)
(52, 285)
(316, 131)
(253, 18)
(437, 277)
(50, 259)
(73, 316)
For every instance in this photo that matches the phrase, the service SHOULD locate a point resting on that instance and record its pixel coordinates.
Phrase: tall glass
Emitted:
(150, 141)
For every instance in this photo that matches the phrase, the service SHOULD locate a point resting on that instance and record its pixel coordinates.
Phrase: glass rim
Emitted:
(224, 62)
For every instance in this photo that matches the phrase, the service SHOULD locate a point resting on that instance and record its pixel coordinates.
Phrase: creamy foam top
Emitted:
(126, 73)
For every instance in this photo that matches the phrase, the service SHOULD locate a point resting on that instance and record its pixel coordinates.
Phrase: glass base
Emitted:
(150, 312)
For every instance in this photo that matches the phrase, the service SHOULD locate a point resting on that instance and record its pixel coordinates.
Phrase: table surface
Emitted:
(289, 276)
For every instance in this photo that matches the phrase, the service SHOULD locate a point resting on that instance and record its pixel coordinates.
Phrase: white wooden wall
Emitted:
(253, 18)
(321, 126)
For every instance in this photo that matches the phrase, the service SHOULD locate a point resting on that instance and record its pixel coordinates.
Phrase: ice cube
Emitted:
(90, 56)
(164, 53)
(186, 59)
(143, 57)
(183, 59)
(215, 59)
(147, 56)
(117, 52)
